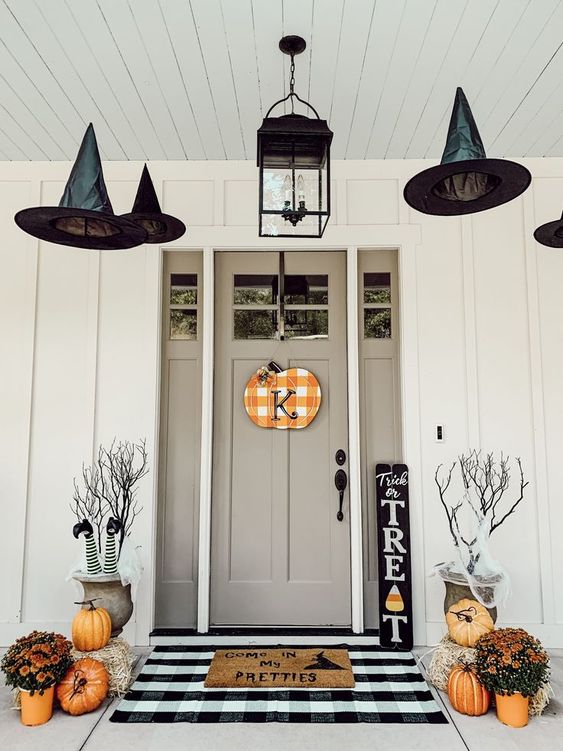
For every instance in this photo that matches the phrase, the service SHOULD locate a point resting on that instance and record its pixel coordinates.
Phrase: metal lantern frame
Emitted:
(298, 142)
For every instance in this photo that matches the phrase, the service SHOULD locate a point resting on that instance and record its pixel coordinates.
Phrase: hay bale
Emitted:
(445, 656)
(118, 661)
(448, 653)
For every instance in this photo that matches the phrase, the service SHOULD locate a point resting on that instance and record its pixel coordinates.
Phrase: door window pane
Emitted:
(309, 289)
(183, 324)
(255, 289)
(306, 324)
(377, 323)
(183, 289)
(377, 287)
(255, 324)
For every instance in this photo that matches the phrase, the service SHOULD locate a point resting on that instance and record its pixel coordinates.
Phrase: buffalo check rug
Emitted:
(170, 688)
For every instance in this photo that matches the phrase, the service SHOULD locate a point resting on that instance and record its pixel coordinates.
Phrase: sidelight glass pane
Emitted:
(183, 289)
(309, 289)
(255, 324)
(377, 323)
(255, 289)
(183, 324)
(306, 324)
(377, 287)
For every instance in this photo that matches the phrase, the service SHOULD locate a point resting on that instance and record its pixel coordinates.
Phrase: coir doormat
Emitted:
(286, 667)
(170, 688)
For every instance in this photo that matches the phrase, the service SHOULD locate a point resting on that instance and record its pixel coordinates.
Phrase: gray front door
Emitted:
(279, 556)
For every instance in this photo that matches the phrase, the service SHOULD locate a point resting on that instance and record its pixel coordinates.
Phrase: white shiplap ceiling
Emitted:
(192, 79)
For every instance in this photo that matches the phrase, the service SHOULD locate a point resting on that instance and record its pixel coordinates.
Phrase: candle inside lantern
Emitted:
(301, 191)
(288, 189)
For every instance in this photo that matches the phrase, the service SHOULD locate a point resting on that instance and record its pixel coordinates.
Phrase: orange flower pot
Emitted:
(512, 710)
(37, 709)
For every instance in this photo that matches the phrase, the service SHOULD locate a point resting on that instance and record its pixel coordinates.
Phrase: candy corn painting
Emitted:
(282, 399)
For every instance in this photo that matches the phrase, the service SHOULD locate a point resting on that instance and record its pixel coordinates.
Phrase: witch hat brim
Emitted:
(465, 181)
(551, 233)
(84, 217)
(160, 227)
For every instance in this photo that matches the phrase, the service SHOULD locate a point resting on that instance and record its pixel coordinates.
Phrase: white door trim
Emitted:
(204, 549)
(354, 471)
(204, 568)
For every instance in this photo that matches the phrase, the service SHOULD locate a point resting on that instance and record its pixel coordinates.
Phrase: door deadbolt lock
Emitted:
(340, 457)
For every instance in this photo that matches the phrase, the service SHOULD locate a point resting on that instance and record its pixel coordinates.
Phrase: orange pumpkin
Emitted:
(84, 687)
(466, 694)
(468, 621)
(91, 628)
(286, 399)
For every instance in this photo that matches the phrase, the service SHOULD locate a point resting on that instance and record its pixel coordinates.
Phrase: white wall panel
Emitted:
(17, 323)
(372, 201)
(505, 409)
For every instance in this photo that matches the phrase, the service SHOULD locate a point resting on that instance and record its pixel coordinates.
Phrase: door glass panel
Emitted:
(255, 324)
(306, 324)
(183, 324)
(377, 288)
(255, 289)
(309, 289)
(377, 323)
(183, 289)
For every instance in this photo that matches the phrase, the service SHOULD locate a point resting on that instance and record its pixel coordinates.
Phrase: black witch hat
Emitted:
(465, 181)
(160, 228)
(84, 217)
(551, 233)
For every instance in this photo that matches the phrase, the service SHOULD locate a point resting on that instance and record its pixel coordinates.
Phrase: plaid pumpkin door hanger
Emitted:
(282, 399)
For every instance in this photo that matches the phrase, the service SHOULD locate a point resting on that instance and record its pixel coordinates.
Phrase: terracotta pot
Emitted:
(512, 710)
(109, 593)
(459, 591)
(36, 709)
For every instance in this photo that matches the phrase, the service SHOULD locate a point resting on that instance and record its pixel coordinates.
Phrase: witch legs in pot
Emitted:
(84, 527)
(110, 557)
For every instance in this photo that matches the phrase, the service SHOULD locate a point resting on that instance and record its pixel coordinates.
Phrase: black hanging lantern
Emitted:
(294, 162)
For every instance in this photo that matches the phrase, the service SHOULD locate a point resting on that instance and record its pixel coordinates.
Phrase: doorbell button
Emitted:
(340, 457)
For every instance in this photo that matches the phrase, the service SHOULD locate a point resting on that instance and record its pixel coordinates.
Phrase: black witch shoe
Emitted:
(113, 526)
(83, 526)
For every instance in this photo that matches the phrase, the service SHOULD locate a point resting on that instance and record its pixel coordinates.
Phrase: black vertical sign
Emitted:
(394, 556)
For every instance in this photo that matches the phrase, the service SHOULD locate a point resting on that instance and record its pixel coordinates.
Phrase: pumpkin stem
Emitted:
(78, 683)
(465, 615)
(89, 602)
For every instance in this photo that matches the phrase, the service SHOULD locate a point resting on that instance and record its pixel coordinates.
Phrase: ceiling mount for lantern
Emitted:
(294, 162)
(466, 180)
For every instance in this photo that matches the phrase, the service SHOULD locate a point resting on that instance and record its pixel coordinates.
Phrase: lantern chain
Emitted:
(292, 81)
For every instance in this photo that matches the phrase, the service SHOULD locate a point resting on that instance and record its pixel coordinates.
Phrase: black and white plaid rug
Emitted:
(389, 688)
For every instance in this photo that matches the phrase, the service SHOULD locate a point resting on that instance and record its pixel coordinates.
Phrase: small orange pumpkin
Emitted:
(84, 687)
(466, 693)
(468, 621)
(91, 628)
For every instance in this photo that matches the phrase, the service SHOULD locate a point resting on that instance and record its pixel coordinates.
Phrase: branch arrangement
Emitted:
(110, 489)
(485, 483)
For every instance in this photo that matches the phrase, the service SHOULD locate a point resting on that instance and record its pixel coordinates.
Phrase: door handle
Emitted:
(341, 481)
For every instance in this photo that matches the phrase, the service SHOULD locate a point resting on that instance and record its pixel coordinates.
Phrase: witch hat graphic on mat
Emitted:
(323, 663)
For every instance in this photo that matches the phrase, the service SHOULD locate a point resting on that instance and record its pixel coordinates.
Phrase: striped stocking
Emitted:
(110, 558)
(92, 561)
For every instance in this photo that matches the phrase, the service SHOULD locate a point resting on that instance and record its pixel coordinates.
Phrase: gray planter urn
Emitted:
(459, 590)
(108, 592)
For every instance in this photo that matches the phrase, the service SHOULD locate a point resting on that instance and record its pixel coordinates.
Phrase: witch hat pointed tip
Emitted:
(463, 140)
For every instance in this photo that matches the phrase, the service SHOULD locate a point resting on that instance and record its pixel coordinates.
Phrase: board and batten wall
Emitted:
(80, 344)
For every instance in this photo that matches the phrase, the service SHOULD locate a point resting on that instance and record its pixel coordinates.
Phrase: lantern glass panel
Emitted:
(281, 185)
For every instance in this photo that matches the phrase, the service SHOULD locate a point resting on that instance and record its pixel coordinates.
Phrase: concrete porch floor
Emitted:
(94, 731)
